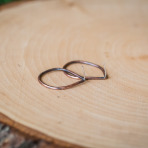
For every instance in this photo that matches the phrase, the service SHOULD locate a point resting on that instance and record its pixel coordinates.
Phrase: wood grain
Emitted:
(38, 35)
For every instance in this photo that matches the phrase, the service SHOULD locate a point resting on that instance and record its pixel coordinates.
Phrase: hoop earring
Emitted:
(87, 63)
(60, 87)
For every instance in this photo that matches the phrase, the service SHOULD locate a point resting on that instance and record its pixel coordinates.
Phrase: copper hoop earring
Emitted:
(61, 87)
(87, 63)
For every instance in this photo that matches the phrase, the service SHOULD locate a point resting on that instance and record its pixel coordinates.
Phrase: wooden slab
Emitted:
(38, 35)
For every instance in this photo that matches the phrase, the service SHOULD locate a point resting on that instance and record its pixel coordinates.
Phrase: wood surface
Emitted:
(38, 35)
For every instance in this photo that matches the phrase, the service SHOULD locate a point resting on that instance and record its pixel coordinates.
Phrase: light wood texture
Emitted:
(38, 35)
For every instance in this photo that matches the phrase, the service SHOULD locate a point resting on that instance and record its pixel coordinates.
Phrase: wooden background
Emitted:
(38, 35)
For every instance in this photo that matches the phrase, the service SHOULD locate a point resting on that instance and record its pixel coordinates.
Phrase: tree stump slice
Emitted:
(39, 35)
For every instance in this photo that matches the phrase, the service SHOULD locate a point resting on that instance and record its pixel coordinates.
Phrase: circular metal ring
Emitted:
(87, 63)
(61, 87)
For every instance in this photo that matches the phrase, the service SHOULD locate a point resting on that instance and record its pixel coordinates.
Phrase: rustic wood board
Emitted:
(38, 35)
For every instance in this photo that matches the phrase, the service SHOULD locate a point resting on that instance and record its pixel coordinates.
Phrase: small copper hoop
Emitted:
(87, 63)
(61, 87)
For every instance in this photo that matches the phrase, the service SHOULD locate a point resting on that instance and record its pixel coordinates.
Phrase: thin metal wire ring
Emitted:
(61, 87)
(87, 63)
